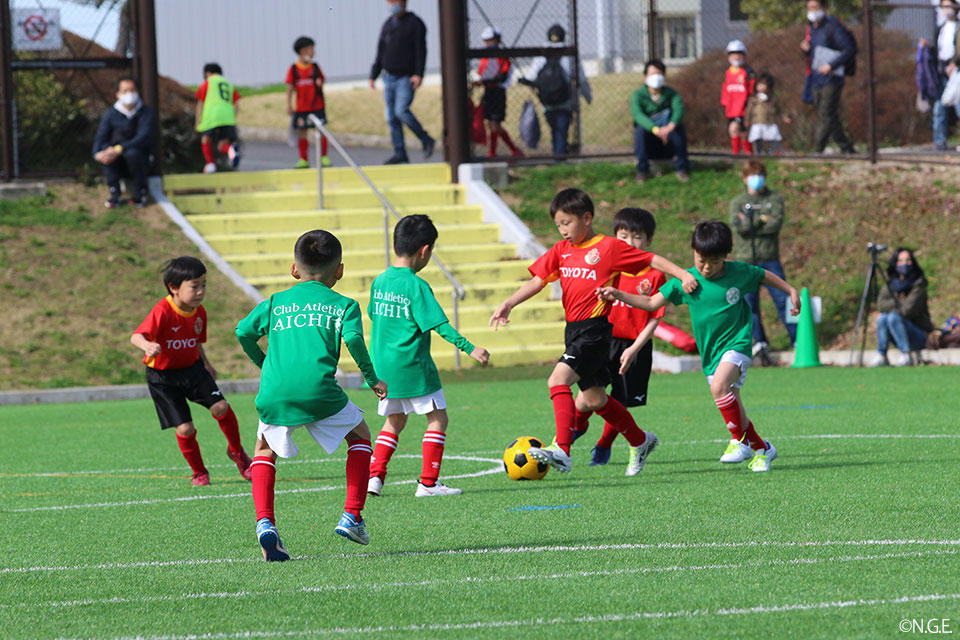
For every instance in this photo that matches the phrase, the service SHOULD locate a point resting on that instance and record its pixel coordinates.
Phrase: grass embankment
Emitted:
(76, 280)
(832, 212)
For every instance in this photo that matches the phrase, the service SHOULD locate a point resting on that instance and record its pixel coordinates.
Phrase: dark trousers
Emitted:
(647, 146)
(133, 164)
(826, 100)
(559, 121)
(779, 301)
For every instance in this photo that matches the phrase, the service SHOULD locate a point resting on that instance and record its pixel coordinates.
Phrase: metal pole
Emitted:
(386, 236)
(146, 45)
(456, 325)
(575, 80)
(872, 141)
(319, 146)
(453, 68)
(652, 30)
(6, 90)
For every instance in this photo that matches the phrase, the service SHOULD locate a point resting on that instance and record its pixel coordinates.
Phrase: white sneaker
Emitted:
(210, 168)
(762, 459)
(736, 451)
(638, 455)
(375, 486)
(903, 360)
(879, 360)
(552, 455)
(439, 489)
(758, 347)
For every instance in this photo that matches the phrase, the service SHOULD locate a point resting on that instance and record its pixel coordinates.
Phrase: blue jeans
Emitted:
(779, 301)
(906, 336)
(559, 121)
(397, 96)
(646, 146)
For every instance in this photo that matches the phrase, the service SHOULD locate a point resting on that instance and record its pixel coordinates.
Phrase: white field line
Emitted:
(637, 546)
(539, 622)
(223, 595)
(128, 503)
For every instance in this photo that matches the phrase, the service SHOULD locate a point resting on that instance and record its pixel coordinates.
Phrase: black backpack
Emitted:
(552, 84)
(850, 67)
(314, 73)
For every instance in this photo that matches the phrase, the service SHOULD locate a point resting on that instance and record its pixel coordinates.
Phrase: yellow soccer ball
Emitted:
(519, 465)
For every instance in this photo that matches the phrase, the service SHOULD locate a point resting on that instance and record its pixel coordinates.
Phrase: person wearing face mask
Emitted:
(826, 39)
(757, 217)
(904, 316)
(658, 130)
(738, 86)
(124, 143)
(401, 55)
(763, 113)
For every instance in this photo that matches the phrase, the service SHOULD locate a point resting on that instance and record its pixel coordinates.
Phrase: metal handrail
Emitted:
(459, 293)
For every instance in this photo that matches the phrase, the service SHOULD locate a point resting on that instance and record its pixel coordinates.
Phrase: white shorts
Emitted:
(328, 433)
(765, 132)
(420, 405)
(741, 361)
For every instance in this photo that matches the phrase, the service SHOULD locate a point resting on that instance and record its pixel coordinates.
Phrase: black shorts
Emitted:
(738, 120)
(226, 132)
(171, 388)
(300, 119)
(494, 104)
(587, 348)
(631, 388)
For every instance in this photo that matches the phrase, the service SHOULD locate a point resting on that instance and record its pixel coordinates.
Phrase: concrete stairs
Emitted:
(253, 219)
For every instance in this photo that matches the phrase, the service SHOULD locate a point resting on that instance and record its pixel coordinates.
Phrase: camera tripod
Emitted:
(870, 289)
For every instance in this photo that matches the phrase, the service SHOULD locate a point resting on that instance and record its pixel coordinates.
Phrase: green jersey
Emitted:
(403, 311)
(304, 326)
(218, 101)
(721, 318)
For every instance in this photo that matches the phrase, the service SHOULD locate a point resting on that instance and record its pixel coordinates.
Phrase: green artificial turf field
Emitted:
(852, 533)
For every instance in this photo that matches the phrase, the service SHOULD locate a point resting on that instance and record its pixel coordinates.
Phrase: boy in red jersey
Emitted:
(306, 79)
(738, 86)
(172, 337)
(495, 78)
(584, 261)
(631, 348)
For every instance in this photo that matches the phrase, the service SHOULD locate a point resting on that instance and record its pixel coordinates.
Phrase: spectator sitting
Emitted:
(904, 316)
(124, 143)
(658, 130)
(555, 96)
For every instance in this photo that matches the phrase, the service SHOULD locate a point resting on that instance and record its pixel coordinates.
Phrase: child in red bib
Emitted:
(305, 79)
(738, 86)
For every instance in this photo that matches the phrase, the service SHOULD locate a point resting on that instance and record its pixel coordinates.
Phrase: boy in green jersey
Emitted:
(298, 387)
(404, 311)
(217, 117)
(722, 324)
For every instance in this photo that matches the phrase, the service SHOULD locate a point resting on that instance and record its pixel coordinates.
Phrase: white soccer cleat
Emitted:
(552, 455)
(438, 489)
(375, 486)
(736, 451)
(210, 168)
(638, 455)
(762, 459)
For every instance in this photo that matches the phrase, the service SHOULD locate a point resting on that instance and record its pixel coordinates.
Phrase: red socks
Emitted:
(224, 148)
(617, 416)
(207, 148)
(358, 472)
(228, 424)
(323, 145)
(506, 138)
(730, 410)
(492, 148)
(608, 436)
(302, 146)
(386, 445)
(564, 412)
(734, 146)
(191, 451)
(433, 442)
(747, 147)
(753, 438)
(264, 476)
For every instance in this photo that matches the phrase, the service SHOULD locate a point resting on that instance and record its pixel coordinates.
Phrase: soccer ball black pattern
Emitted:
(520, 466)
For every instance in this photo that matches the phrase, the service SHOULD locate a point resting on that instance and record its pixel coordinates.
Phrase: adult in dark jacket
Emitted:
(904, 315)
(124, 142)
(401, 55)
(757, 217)
(826, 79)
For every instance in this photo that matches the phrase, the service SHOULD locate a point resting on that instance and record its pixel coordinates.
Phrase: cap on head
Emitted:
(736, 46)
(489, 33)
(556, 33)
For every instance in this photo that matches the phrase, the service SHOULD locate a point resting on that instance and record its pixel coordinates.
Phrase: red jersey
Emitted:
(309, 95)
(180, 334)
(629, 321)
(581, 268)
(738, 85)
(202, 93)
(494, 72)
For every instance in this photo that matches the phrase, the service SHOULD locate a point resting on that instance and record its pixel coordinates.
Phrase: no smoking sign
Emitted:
(36, 29)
